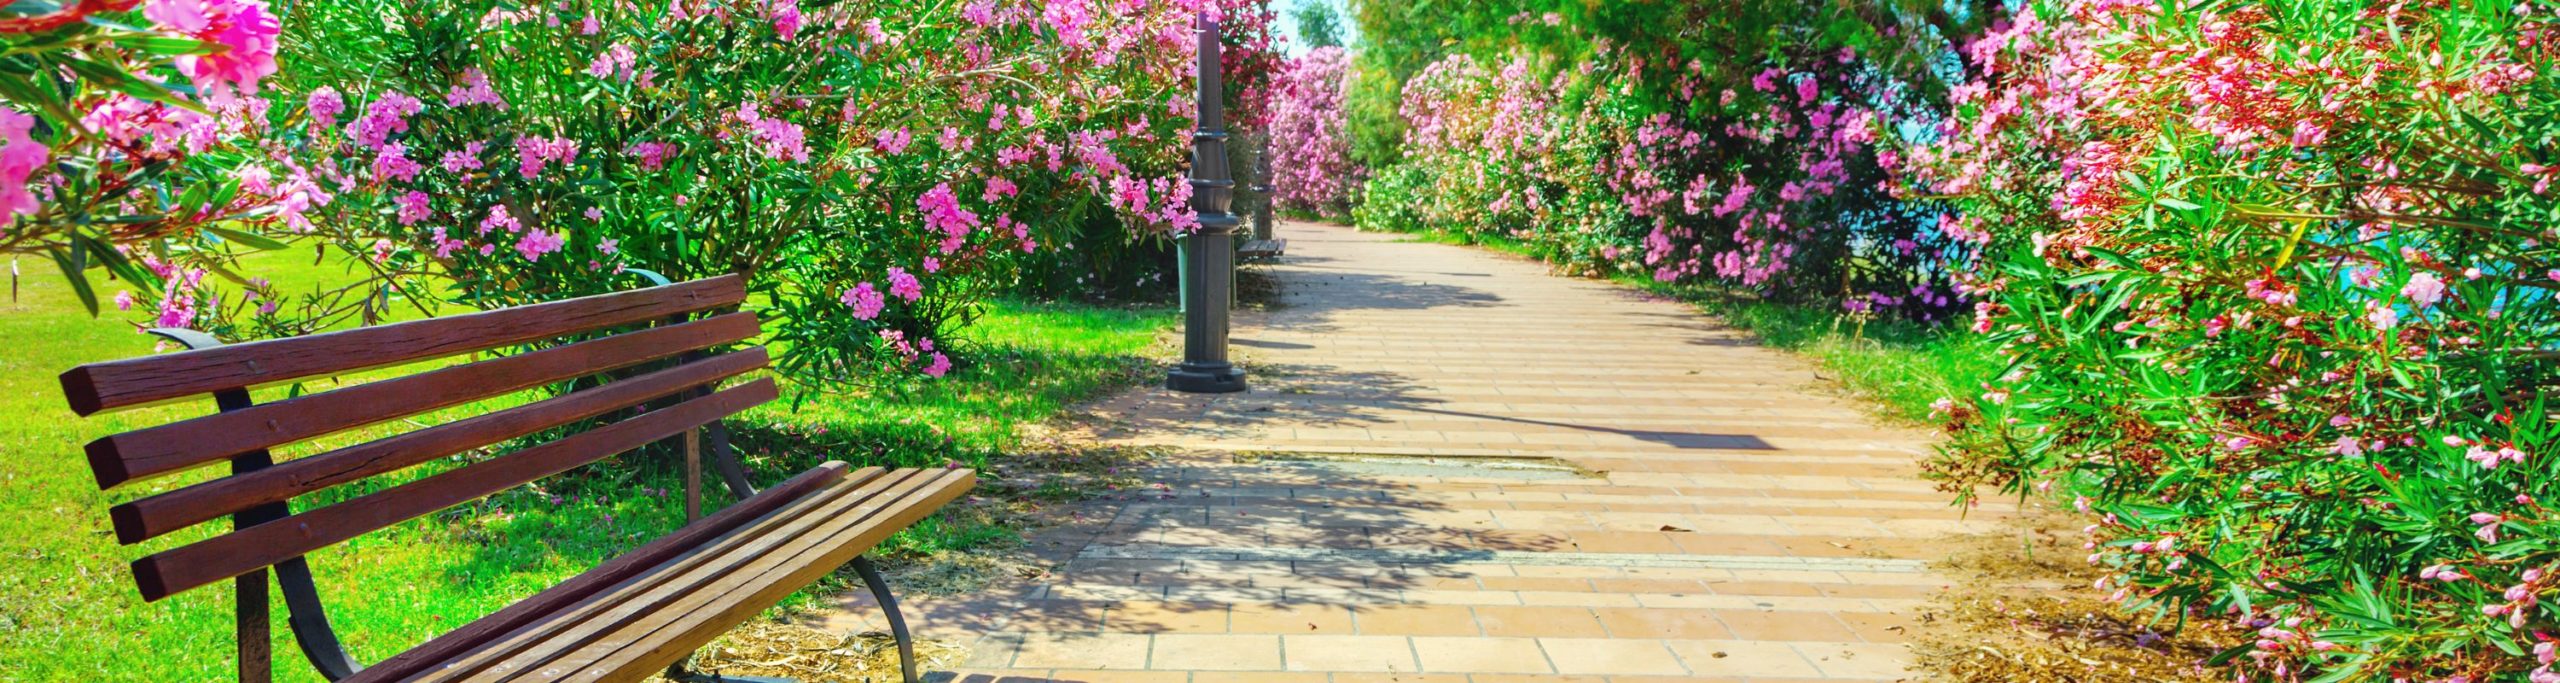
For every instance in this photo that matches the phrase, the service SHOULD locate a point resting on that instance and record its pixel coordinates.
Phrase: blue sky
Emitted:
(1289, 22)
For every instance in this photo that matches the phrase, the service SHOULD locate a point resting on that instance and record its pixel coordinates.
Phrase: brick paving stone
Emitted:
(1193, 652)
(1291, 619)
(1481, 655)
(1534, 622)
(1348, 653)
(1742, 526)
(1611, 656)
(1083, 651)
(1415, 620)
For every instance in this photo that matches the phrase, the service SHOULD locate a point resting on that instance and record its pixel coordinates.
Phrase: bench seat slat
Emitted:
(646, 648)
(178, 446)
(604, 577)
(150, 379)
(151, 517)
(163, 574)
(645, 624)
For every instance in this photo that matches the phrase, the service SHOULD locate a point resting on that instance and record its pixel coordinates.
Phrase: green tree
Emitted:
(1319, 24)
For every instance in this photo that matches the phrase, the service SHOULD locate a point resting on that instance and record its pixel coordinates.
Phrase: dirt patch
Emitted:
(2022, 610)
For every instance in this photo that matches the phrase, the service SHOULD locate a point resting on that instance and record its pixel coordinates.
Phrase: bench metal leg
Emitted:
(889, 606)
(682, 673)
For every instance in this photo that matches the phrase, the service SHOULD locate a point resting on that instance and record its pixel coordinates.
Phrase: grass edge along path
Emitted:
(68, 609)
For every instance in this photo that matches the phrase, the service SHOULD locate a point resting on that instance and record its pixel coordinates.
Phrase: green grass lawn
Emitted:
(69, 611)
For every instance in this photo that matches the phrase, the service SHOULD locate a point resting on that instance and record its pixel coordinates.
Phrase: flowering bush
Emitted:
(116, 141)
(876, 170)
(2276, 286)
(1609, 166)
(1311, 166)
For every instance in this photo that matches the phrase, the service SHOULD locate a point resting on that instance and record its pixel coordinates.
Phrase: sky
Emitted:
(1289, 23)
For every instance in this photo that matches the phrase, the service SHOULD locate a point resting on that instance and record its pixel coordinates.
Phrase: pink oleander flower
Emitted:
(865, 300)
(536, 243)
(652, 155)
(244, 29)
(616, 60)
(386, 116)
(414, 207)
(942, 213)
(786, 18)
(325, 104)
(20, 156)
(533, 153)
(499, 218)
(392, 163)
(466, 159)
(997, 189)
(940, 366)
(2424, 289)
(904, 285)
(475, 89)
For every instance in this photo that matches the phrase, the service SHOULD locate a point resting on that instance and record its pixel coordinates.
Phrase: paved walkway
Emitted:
(1615, 489)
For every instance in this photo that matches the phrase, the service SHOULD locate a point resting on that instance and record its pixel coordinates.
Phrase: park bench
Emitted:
(646, 367)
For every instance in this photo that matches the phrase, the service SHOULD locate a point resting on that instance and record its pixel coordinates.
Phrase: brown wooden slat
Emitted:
(640, 597)
(178, 446)
(151, 517)
(739, 579)
(611, 574)
(137, 381)
(163, 574)
(738, 597)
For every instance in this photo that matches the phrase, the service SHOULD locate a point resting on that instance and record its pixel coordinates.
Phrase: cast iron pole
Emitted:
(1209, 253)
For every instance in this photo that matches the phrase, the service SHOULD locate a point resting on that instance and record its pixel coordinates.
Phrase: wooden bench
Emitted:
(1252, 250)
(646, 366)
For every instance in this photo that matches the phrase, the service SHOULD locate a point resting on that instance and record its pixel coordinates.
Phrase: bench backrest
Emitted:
(677, 324)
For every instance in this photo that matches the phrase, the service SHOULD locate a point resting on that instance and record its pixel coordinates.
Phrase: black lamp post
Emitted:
(1208, 254)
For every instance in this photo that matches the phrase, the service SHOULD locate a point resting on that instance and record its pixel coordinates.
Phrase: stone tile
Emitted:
(1881, 627)
(1192, 652)
(1348, 653)
(1663, 623)
(1611, 657)
(1539, 622)
(1480, 655)
(1748, 659)
(1290, 619)
(1858, 660)
(1415, 620)
(1759, 625)
(1257, 677)
(1090, 676)
(1083, 651)
(1166, 617)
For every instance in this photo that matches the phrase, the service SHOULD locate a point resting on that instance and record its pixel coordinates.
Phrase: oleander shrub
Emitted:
(876, 169)
(120, 125)
(1311, 165)
(2274, 282)
(1759, 173)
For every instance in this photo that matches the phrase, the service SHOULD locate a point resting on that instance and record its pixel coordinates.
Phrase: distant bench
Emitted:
(647, 360)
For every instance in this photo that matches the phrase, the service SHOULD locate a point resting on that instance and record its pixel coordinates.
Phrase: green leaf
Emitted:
(79, 283)
(253, 241)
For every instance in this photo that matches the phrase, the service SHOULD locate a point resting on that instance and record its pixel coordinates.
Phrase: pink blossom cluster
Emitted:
(1311, 165)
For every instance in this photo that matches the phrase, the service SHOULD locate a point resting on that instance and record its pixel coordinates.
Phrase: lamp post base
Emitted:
(1218, 378)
